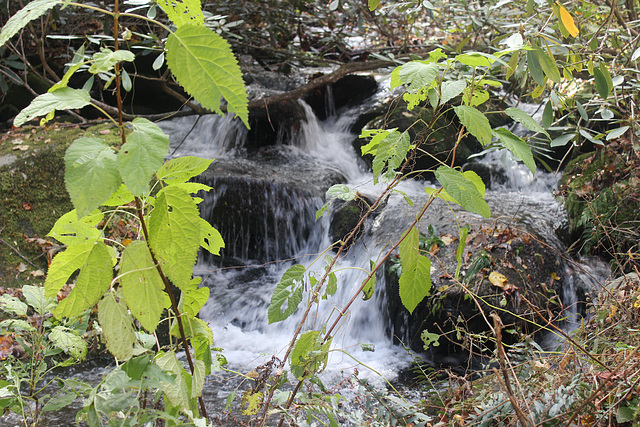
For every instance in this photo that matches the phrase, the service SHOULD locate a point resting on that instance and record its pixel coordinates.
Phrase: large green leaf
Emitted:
(451, 89)
(548, 65)
(525, 120)
(142, 155)
(182, 169)
(70, 230)
(177, 391)
(68, 341)
(34, 295)
(91, 173)
(369, 288)
(31, 11)
(415, 280)
(117, 326)
(105, 60)
(517, 146)
(64, 98)
(389, 148)
(96, 271)
(287, 295)
(535, 69)
(416, 75)
(142, 285)
(464, 190)
(183, 12)
(204, 65)
(175, 229)
(476, 123)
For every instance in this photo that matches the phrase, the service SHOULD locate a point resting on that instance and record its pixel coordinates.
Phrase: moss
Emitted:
(601, 191)
(33, 195)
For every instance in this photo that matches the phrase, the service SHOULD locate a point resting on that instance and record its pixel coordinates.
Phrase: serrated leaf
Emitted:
(176, 391)
(205, 67)
(210, 238)
(142, 155)
(463, 190)
(142, 285)
(96, 271)
(341, 191)
(182, 169)
(70, 230)
(31, 11)
(183, 12)
(64, 98)
(369, 287)
(287, 295)
(175, 233)
(476, 123)
(16, 324)
(34, 295)
(13, 305)
(68, 341)
(451, 89)
(91, 174)
(117, 327)
(120, 197)
(535, 69)
(105, 60)
(517, 146)
(390, 152)
(418, 74)
(415, 280)
(525, 120)
(548, 65)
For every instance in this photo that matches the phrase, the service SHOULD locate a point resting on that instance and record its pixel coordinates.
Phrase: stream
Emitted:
(264, 203)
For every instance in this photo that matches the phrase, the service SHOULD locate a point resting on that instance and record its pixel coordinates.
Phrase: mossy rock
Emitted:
(601, 192)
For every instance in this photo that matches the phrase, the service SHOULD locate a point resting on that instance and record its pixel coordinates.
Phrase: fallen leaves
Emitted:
(500, 280)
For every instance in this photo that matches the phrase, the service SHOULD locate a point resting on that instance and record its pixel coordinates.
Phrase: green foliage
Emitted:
(117, 326)
(60, 99)
(389, 148)
(415, 281)
(309, 356)
(287, 295)
(105, 60)
(476, 123)
(183, 12)
(31, 11)
(464, 188)
(204, 65)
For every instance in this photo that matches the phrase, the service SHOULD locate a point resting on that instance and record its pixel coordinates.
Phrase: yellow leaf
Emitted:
(554, 276)
(567, 21)
(497, 279)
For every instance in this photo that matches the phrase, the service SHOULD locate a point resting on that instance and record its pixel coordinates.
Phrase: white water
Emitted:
(237, 309)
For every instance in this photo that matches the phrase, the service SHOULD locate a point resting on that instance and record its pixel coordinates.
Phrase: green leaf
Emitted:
(64, 98)
(136, 366)
(517, 146)
(474, 60)
(70, 230)
(175, 230)
(34, 295)
(465, 191)
(31, 11)
(68, 341)
(204, 65)
(604, 84)
(415, 281)
(309, 356)
(120, 197)
(210, 238)
(177, 391)
(91, 173)
(451, 89)
(617, 133)
(13, 305)
(287, 294)
(183, 12)
(105, 60)
(547, 115)
(182, 169)
(562, 140)
(142, 155)
(93, 259)
(462, 242)
(548, 65)
(341, 191)
(476, 123)
(142, 285)
(370, 286)
(15, 324)
(373, 4)
(418, 74)
(535, 69)
(525, 120)
(117, 327)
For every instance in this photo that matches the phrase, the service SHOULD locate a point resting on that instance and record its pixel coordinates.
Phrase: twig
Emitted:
(16, 251)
